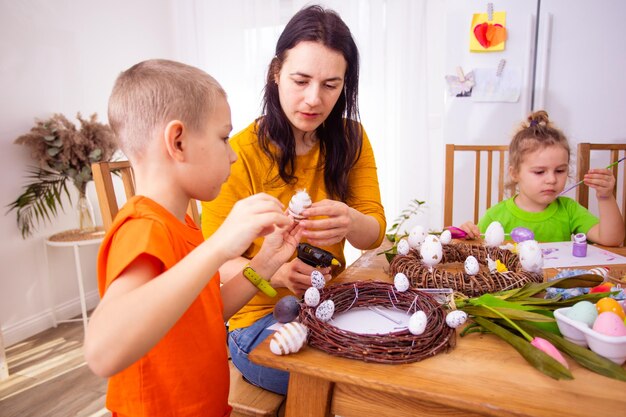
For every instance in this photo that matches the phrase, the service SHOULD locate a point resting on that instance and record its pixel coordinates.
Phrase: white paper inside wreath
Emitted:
(377, 320)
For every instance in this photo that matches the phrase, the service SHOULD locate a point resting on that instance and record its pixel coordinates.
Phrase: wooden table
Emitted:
(481, 376)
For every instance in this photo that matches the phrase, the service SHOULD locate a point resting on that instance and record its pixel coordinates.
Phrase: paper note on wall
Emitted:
(490, 86)
(488, 35)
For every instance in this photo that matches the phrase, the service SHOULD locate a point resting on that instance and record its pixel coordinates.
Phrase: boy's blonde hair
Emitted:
(537, 132)
(152, 93)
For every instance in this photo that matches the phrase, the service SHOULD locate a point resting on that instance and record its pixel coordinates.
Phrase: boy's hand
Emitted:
(296, 276)
(279, 246)
(250, 218)
(471, 229)
(602, 180)
(331, 229)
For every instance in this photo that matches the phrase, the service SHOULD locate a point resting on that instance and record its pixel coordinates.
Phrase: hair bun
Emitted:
(540, 117)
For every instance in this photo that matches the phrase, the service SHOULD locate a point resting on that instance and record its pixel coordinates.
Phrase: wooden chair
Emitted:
(584, 163)
(486, 180)
(103, 178)
(246, 399)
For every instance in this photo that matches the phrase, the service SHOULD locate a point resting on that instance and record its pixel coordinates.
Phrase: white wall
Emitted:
(59, 57)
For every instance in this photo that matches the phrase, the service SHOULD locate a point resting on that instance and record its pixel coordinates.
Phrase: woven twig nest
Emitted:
(449, 273)
(395, 347)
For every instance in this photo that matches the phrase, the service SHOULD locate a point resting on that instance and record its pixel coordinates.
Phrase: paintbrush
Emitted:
(581, 181)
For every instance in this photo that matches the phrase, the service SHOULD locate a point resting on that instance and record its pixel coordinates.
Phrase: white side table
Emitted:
(74, 239)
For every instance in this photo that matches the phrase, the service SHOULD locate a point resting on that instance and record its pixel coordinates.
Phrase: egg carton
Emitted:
(611, 347)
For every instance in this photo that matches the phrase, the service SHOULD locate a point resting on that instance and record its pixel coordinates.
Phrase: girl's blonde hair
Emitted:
(152, 93)
(536, 132)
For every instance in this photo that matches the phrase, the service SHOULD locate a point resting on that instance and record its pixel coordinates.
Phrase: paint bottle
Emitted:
(579, 246)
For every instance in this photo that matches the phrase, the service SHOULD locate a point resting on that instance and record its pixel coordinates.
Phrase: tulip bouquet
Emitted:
(527, 323)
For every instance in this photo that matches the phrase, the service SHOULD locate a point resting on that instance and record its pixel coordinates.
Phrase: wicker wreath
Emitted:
(451, 274)
(395, 347)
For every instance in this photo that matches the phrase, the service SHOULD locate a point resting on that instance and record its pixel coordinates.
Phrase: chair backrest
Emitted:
(103, 178)
(615, 152)
(486, 180)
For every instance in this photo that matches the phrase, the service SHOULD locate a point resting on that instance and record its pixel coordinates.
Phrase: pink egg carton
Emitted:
(611, 347)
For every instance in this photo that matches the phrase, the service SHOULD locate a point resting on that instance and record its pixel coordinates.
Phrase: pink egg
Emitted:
(610, 324)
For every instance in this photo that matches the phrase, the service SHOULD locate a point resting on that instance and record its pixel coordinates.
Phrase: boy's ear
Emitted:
(174, 137)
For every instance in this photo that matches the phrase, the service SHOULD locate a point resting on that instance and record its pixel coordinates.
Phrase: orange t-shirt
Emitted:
(186, 373)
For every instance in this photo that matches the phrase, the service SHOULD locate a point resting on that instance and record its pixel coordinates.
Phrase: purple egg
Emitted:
(520, 234)
(286, 309)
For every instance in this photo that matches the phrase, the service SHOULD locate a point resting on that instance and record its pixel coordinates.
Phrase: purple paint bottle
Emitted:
(579, 246)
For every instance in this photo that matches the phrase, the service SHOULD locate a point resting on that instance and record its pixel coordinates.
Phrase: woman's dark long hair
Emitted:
(340, 140)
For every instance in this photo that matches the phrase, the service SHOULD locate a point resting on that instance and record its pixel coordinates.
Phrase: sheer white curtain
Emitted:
(234, 41)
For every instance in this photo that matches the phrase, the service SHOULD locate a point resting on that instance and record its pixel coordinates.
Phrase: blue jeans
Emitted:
(242, 341)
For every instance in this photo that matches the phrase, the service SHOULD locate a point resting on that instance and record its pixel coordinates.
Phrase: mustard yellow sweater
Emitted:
(252, 173)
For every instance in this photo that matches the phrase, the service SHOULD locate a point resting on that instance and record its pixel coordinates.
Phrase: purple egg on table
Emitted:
(286, 309)
(520, 234)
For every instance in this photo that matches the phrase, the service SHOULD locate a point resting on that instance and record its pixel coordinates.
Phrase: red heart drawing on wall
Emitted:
(489, 35)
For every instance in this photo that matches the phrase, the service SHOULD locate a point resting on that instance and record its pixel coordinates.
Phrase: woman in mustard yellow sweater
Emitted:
(308, 137)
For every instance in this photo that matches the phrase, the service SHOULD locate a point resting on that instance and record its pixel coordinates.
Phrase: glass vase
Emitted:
(86, 222)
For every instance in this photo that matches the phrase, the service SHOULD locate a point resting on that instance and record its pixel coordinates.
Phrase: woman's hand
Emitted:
(333, 228)
(601, 180)
(296, 276)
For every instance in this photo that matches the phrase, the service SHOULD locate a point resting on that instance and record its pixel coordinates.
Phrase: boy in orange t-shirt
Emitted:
(158, 332)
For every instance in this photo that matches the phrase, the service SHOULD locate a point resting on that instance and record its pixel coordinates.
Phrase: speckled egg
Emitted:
(431, 251)
(312, 297)
(401, 282)
(530, 256)
(317, 279)
(325, 310)
(417, 322)
(584, 312)
(445, 237)
(471, 265)
(455, 318)
(494, 235)
(288, 339)
(610, 324)
(286, 309)
(417, 236)
(403, 247)
(610, 304)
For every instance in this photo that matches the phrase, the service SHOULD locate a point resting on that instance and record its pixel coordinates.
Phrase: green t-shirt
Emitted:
(562, 218)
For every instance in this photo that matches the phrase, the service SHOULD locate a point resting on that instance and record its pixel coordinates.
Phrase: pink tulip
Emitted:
(456, 232)
(548, 348)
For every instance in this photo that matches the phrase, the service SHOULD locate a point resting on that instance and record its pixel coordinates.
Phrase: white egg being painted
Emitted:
(325, 310)
(312, 297)
(494, 235)
(418, 322)
(401, 282)
(445, 237)
(431, 251)
(471, 265)
(403, 247)
(417, 236)
(288, 339)
(456, 318)
(317, 279)
(530, 256)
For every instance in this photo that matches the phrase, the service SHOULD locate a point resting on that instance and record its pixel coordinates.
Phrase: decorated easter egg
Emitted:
(299, 202)
(325, 310)
(288, 339)
(403, 247)
(286, 309)
(520, 234)
(455, 318)
(609, 304)
(494, 235)
(584, 312)
(530, 256)
(610, 324)
(401, 282)
(317, 279)
(431, 251)
(417, 322)
(445, 237)
(604, 287)
(603, 272)
(312, 297)
(417, 236)
(471, 265)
